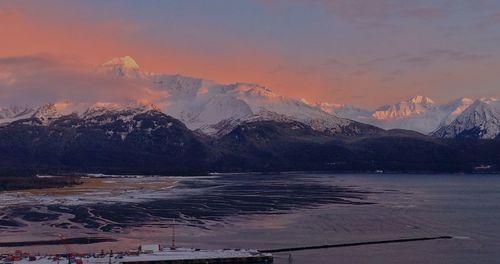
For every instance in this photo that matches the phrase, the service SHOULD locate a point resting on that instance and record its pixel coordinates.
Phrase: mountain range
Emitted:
(202, 105)
(205, 126)
(459, 117)
(215, 109)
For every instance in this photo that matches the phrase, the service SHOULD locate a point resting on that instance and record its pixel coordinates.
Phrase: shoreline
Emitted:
(65, 241)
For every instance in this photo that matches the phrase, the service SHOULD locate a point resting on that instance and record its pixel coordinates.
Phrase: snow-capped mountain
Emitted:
(98, 113)
(116, 120)
(215, 109)
(102, 109)
(454, 109)
(204, 104)
(255, 129)
(419, 113)
(121, 67)
(481, 120)
(347, 111)
(201, 104)
(16, 112)
(51, 111)
(415, 106)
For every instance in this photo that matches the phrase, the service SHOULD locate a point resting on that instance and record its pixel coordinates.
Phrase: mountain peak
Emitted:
(14, 112)
(488, 100)
(125, 62)
(481, 120)
(466, 100)
(47, 112)
(122, 67)
(419, 99)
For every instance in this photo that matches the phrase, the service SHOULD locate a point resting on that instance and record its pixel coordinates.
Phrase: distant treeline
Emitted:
(22, 183)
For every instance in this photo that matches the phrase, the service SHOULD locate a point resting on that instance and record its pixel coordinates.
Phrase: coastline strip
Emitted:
(75, 240)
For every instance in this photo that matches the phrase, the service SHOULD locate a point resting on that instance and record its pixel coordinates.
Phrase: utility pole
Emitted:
(173, 234)
(110, 256)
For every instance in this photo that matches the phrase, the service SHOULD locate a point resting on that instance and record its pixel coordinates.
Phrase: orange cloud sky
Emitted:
(94, 43)
(87, 42)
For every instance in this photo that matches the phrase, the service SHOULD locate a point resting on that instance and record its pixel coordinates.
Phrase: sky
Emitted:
(361, 52)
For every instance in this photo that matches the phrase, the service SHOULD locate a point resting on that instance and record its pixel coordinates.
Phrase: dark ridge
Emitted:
(22, 183)
(153, 143)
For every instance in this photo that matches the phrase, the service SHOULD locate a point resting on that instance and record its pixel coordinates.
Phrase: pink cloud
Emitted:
(41, 79)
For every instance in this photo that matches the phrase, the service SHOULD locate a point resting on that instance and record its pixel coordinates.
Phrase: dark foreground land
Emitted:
(33, 182)
(66, 241)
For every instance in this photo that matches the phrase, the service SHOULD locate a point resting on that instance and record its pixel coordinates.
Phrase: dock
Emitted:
(161, 256)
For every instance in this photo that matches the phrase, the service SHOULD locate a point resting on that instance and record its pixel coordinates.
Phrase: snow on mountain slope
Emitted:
(15, 112)
(481, 120)
(419, 113)
(116, 119)
(98, 113)
(121, 67)
(262, 100)
(227, 125)
(107, 113)
(49, 112)
(454, 109)
(414, 106)
(348, 111)
(215, 108)
(203, 104)
(208, 106)
(249, 101)
(199, 103)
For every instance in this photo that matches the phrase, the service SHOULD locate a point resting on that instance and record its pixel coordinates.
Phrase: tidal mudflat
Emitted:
(270, 211)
